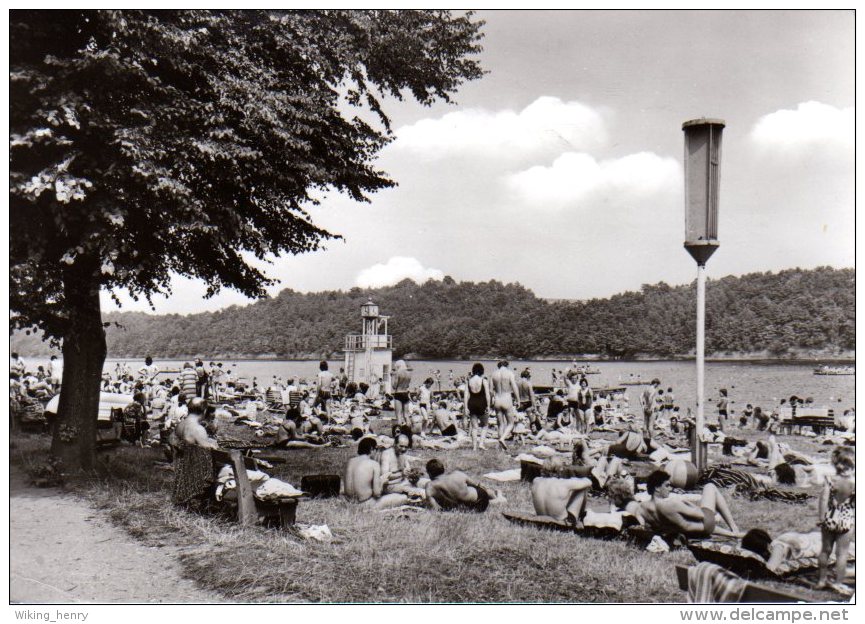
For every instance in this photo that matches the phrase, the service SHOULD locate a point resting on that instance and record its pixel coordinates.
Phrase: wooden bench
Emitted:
(819, 419)
(752, 592)
(280, 514)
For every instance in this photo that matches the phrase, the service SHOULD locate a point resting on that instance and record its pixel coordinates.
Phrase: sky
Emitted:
(561, 169)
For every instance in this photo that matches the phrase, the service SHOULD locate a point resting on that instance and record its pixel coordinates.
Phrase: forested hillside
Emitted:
(772, 313)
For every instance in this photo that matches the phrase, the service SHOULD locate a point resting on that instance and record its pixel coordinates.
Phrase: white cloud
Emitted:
(811, 124)
(394, 271)
(547, 123)
(575, 177)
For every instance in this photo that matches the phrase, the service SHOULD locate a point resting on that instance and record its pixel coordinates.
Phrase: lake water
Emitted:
(761, 384)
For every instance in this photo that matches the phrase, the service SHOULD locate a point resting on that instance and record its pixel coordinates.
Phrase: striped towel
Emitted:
(745, 483)
(708, 582)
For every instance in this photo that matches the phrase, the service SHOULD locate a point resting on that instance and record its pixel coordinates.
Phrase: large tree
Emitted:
(147, 143)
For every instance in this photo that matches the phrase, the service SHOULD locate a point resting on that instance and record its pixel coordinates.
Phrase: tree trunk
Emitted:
(84, 350)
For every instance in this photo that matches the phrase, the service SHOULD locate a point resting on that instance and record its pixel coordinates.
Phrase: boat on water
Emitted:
(633, 380)
(834, 370)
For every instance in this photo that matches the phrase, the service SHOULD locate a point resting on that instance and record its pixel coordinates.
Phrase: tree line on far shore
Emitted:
(773, 313)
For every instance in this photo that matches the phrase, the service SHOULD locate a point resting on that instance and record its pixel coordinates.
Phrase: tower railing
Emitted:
(361, 342)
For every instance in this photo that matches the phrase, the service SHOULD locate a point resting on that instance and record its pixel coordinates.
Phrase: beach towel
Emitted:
(709, 583)
(746, 484)
(543, 451)
(275, 489)
(505, 475)
(529, 458)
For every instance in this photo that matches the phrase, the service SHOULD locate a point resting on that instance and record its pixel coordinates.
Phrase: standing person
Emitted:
(585, 401)
(722, 408)
(669, 404)
(323, 387)
(527, 396)
(649, 403)
(343, 381)
(425, 403)
(574, 420)
(55, 372)
(451, 378)
(438, 379)
(214, 377)
(504, 390)
(201, 384)
(188, 380)
(837, 509)
(401, 382)
(476, 402)
(149, 371)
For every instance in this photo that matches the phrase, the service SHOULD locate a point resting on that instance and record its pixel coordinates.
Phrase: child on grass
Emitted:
(837, 508)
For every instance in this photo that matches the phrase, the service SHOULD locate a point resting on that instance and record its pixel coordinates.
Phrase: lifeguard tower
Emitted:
(368, 355)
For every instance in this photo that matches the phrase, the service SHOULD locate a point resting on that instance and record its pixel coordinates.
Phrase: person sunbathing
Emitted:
(561, 498)
(358, 423)
(455, 491)
(624, 510)
(394, 465)
(289, 435)
(789, 467)
(786, 547)
(444, 419)
(593, 463)
(676, 515)
(630, 445)
(363, 483)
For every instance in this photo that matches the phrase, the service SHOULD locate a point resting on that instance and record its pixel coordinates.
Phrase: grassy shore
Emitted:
(428, 557)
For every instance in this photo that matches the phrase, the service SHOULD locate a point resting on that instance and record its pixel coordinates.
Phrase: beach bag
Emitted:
(320, 486)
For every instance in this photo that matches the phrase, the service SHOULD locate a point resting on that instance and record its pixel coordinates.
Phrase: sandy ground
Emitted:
(62, 551)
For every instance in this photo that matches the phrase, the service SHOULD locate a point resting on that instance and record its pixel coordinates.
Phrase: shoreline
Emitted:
(580, 358)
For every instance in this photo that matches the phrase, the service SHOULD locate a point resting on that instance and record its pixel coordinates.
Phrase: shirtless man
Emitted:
(455, 491)
(561, 498)
(363, 483)
(668, 515)
(323, 386)
(358, 423)
(400, 383)
(504, 390)
(445, 420)
(393, 464)
(425, 403)
(649, 403)
(527, 396)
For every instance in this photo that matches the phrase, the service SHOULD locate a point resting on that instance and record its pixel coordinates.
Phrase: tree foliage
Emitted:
(150, 142)
(760, 312)
(146, 143)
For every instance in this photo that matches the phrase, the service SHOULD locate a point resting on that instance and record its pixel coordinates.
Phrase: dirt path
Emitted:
(61, 550)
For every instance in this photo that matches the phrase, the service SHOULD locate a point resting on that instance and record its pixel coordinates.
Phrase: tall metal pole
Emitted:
(702, 178)
(698, 450)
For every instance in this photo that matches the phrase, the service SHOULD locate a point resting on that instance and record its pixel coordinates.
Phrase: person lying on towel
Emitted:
(675, 515)
(456, 491)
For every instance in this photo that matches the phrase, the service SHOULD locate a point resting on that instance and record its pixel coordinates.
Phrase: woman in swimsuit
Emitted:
(585, 398)
(837, 509)
(477, 402)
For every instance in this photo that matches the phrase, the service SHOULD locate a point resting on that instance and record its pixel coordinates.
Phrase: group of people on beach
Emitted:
(382, 475)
